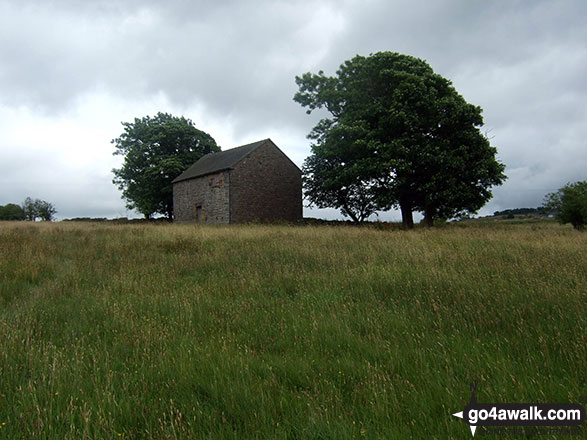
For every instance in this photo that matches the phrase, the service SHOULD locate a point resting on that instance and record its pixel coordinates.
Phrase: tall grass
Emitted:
(179, 332)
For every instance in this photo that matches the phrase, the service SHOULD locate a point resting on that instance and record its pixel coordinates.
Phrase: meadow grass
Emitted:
(187, 331)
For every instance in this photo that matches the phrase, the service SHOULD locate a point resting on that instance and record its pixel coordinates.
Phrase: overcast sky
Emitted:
(72, 70)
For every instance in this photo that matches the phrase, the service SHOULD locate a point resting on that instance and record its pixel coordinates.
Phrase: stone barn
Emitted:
(254, 182)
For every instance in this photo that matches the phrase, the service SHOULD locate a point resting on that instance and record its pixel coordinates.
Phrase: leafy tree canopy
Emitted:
(156, 150)
(570, 203)
(397, 134)
(11, 211)
(34, 209)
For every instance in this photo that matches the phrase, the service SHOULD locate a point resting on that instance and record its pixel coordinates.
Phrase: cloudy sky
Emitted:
(72, 70)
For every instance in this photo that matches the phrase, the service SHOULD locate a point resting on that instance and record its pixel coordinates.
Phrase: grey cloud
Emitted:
(237, 59)
(523, 62)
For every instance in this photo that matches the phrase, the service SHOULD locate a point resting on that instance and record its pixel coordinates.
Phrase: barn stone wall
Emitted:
(266, 186)
(206, 196)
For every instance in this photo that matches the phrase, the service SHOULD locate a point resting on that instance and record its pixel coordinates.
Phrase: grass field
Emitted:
(181, 332)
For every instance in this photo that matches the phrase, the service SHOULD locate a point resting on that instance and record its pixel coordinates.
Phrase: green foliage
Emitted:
(12, 211)
(30, 209)
(34, 209)
(541, 211)
(46, 211)
(246, 332)
(333, 175)
(398, 135)
(156, 150)
(570, 203)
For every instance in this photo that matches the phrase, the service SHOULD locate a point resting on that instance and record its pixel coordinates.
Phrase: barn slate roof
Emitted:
(215, 162)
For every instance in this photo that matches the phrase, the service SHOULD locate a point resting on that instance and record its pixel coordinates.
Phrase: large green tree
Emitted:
(34, 209)
(570, 204)
(397, 134)
(46, 210)
(156, 150)
(12, 211)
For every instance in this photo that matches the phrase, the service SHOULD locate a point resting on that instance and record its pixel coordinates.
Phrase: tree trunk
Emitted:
(407, 218)
(350, 213)
(428, 218)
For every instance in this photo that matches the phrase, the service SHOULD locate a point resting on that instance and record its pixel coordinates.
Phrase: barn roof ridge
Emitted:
(219, 161)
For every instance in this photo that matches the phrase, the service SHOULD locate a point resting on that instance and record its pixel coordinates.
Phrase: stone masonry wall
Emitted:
(266, 186)
(210, 193)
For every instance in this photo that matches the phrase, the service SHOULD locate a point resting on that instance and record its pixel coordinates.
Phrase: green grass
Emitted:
(181, 332)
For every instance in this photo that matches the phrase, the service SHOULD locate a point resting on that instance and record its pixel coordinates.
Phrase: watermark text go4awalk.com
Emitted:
(522, 414)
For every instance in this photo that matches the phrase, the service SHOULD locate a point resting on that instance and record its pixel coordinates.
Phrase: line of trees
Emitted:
(540, 211)
(31, 210)
(398, 135)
